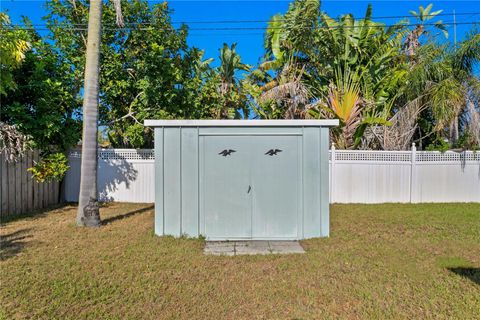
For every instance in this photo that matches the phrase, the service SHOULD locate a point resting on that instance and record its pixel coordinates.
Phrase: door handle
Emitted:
(249, 188)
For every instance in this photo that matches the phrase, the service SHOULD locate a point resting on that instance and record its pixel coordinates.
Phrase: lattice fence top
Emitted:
(120, 154)
(340, 155)
(435, 156)
(392, 156)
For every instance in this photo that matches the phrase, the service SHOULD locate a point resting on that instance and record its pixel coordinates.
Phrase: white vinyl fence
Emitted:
(357, 176)
(124, 175)
(404, 176)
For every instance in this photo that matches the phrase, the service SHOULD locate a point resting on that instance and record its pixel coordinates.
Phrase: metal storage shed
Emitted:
(242, 179)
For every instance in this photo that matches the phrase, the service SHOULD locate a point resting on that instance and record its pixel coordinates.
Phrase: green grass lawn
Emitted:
(381, 261)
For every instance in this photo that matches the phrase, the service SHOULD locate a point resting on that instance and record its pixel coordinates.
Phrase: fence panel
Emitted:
(125, 175)
(358, 176)
(19, 193)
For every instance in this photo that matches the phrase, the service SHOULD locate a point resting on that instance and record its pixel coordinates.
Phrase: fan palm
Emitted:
(345, 102)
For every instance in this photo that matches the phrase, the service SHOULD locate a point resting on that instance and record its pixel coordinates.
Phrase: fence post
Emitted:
(413, 175)
(1, 184)
(332, 172)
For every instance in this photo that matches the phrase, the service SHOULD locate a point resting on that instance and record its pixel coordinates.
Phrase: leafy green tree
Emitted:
(148, 70)
(369, 52)
(13, 45)
(387, 85)
(42, 104)
(314, 70)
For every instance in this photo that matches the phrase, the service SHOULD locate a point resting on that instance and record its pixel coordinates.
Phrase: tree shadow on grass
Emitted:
(473, 274)
(126, 215)
(13, 243)
(36, 214)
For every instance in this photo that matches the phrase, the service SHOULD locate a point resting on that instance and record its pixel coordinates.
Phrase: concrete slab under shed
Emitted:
(235, 248)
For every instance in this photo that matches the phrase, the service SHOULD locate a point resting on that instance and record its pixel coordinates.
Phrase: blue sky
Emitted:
(249, 42)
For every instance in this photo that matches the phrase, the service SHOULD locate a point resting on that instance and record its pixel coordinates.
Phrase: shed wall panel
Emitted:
(311, 186)
(324, 184)
(159, 186)
(172, 181)
(189, 183)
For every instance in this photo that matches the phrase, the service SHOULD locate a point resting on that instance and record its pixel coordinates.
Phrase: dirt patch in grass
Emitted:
(381, 261)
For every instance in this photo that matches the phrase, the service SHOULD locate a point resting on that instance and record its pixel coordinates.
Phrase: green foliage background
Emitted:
(149, 71)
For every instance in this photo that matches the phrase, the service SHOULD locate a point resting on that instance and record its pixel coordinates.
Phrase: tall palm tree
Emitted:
(88, 214)
(424, 15)
(230, 63)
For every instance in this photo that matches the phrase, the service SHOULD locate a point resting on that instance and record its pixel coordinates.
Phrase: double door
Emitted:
(250, 187)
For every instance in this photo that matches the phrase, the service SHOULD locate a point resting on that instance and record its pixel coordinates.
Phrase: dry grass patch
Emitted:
(381, 261)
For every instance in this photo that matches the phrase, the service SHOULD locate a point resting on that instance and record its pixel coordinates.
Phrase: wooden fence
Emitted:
(19, 193)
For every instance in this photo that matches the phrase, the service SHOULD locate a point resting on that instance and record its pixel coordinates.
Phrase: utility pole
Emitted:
(454, 29)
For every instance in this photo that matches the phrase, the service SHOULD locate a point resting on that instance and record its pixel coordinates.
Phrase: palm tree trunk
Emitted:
(455, 130)
(453, 134)
(88, 212)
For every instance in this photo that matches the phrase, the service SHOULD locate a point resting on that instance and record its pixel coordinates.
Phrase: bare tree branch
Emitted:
(13, 144)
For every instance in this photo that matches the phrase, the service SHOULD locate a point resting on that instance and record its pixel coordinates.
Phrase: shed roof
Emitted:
(242, 123)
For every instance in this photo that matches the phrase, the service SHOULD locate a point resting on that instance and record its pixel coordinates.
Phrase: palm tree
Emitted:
(298, 71)
(88, 213)
(412, 41)
(453, 94)
(345, 102)
(440, 86)
(278, 87)
(230, 63)
(357, 71)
